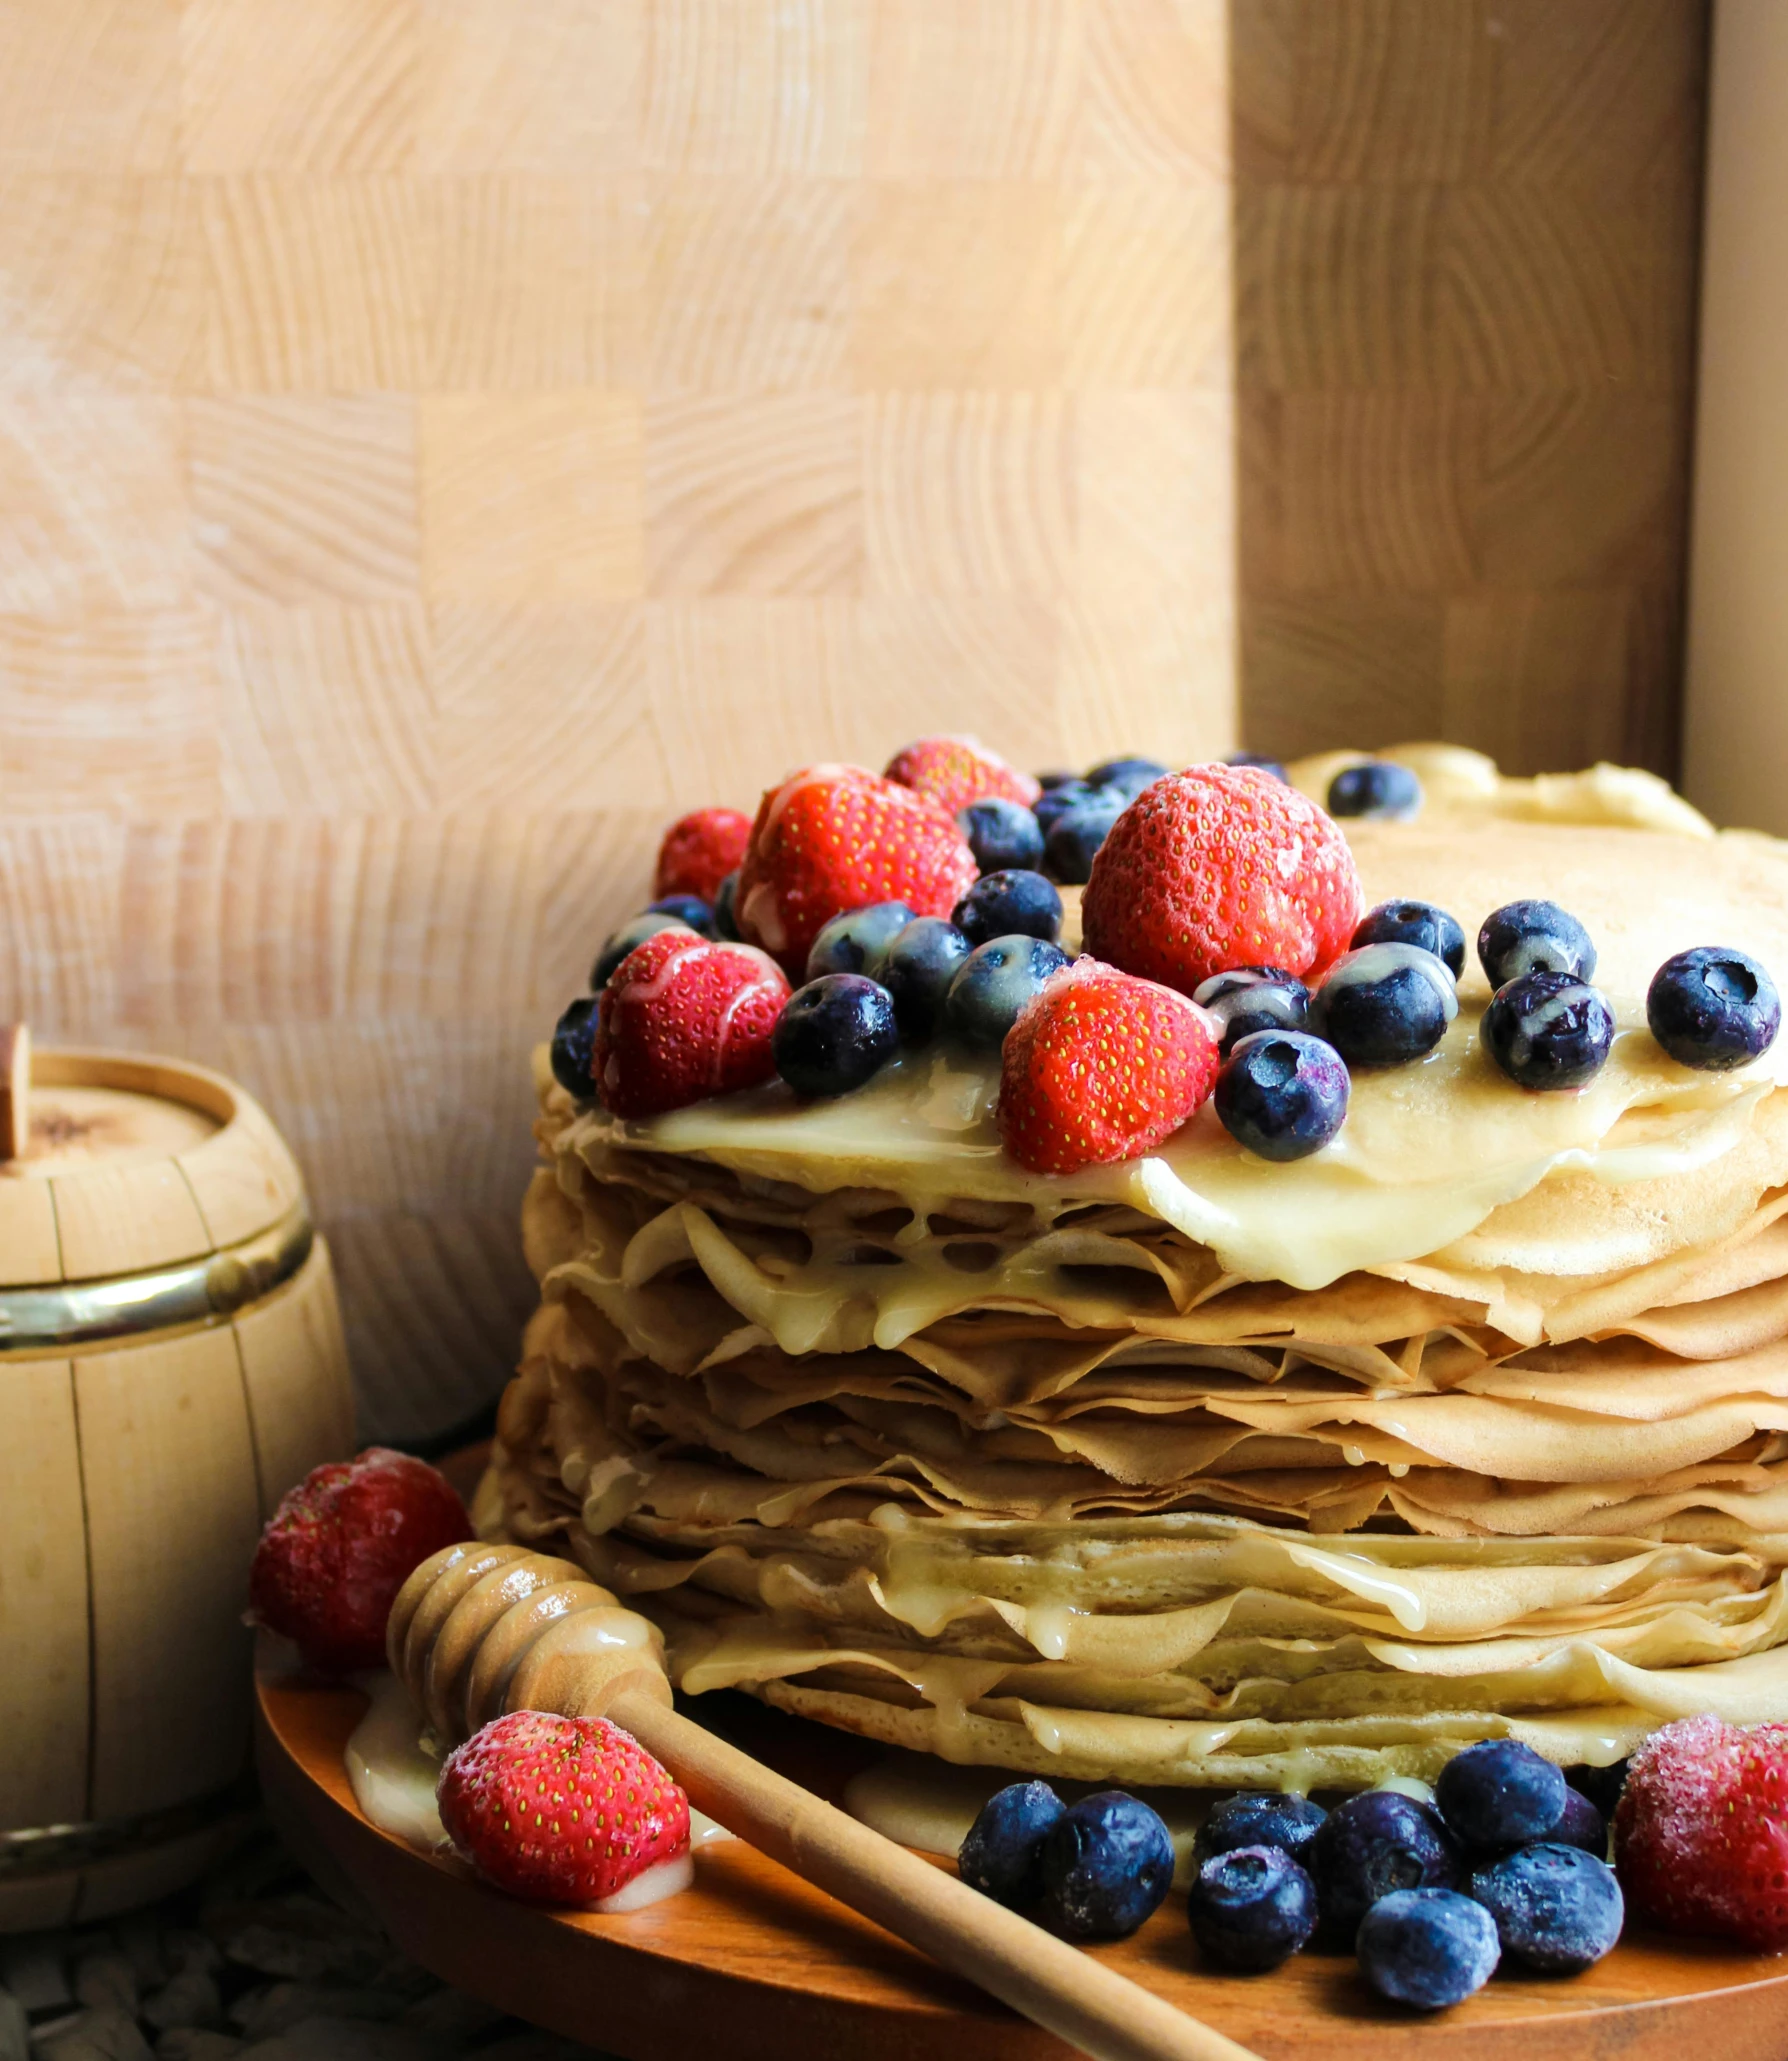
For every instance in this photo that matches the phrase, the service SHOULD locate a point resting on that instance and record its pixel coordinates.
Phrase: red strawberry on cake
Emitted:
(683, 1018)
(955, 771)
(1101, 1066)
(341, 1545)
(1218, 867)
(833, 838)
(699, 851)
(561, 1810)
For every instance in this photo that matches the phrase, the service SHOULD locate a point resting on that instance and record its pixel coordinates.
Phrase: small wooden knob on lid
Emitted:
(15, 1090)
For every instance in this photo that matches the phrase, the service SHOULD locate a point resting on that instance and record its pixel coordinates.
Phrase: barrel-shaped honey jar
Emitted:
(171, 1361)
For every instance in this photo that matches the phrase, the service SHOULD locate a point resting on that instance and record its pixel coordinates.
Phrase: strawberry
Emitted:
(1218, 867)
(682, 1019)
(1701, 1831)
(955, 771)
(562, 1810)
(1101, 1066)
(833, 838)
(341, 1545)
(699, 851)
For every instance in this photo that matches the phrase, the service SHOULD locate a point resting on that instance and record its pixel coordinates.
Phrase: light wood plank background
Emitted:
(441, 439)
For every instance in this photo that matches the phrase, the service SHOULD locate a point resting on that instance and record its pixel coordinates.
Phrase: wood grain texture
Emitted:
(442, 439)
(1465, 262)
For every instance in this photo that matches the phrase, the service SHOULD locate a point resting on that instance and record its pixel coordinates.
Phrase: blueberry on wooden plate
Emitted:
(1427, 1947)
(1003, 1850)
(1251, 1908)
(1106, 1864)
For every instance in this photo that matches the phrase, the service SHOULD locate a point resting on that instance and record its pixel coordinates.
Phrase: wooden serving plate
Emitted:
(753, 1965)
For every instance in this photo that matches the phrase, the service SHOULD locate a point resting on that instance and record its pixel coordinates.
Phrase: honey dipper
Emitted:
(479, 1630)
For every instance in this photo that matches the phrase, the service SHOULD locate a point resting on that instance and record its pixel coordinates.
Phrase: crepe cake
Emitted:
(1196, 1470)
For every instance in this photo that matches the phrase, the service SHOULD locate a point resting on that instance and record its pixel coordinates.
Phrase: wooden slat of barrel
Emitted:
(43, 1599)
(33, 1255)
(295, 1371)
(122, 1219)
(172, 1518)
(239, 1183)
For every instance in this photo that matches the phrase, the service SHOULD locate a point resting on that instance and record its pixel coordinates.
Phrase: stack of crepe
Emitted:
(1198, 1470)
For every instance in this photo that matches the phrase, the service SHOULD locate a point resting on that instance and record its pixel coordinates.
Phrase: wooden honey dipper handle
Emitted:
(457, 1604)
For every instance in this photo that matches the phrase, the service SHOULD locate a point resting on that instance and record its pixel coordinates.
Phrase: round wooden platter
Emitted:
(753, 1965)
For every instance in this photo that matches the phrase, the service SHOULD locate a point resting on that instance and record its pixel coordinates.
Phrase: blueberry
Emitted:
(1259, 1817)
(834, 1033)
(634, 931)
(994, 983)
(1582, 1825)
(726, 899)
(1713, 1009)
(1556, 1907)
(1128, 776)
(1000, 1856)
(1374, 1843)
(1049, 782)
(1253, 998)
(1074, 839)
(1074, 794)
(1533, 937)
(1499, 1793)
(1378, 788)
(916, 970)
(690, 909)
(855, 941)
(1282, 1094)
(574, 1046)
(1427, 1947)
(1015, 903)
(1001, 833)
(1601, 1785)
(1414, 923)
(1106, 1864)
(1549, 1030)
(1384, 1004)
(1253, 758)
(1251, 1908)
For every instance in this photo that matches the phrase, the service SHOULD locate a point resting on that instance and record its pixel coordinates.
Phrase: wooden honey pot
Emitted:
(171, 1361)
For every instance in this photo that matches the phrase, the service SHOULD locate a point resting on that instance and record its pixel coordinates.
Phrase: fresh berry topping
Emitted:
(1427, 1947)
(1384, 1005)
(699, 851)
(917, 970)
(1414, 923)
(1557, 1908)
(1500, 1793)
(955, 771)
(1582, 1825)
(1100, 1067)
(833, 838)
(1016, 903)
(574, 1042)
(1047, 783)
(339, 1547)
(1533, 937)
(1253, 758)
(1128, 776)
(1001, 834)
(726, 908)
(1259, 1817)
(1217, 867)
(1076, 835)
(561, 1810)
(992, 986)
(1075, 794)
(690, 909)
(1601, 1785)
(1251, 1908)
(1107, 1863)
(1713, 1008)
(1549, 1030)
(682, 1019)
(1253, 998)
(1372, 1844)
(1379, 789)
(1701, 1831)
(619, 943)
(1002, 1854)
(1282, 1094)
(856, 941)
(834, 1034)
